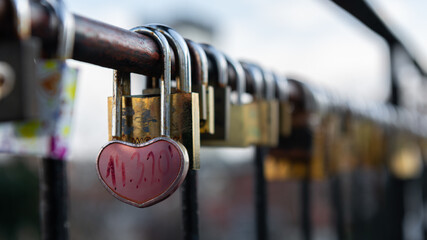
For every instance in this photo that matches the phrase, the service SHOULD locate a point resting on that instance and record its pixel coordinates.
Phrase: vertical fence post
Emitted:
(337, 205)
(53, 199)
(260, 195)
(190, 212)
(305, 205)
(395, 209)
(424, 199)
(358, 221)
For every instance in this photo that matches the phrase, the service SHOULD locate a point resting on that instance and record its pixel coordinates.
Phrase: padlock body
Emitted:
(285, 119)
(141, 121)
(268, 122)
(21, 102)
(279, 168)
(208, 125)
(221, 115)
(203, 111)
(244, 127)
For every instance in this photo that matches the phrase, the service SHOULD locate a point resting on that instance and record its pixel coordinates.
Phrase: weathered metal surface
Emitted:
(98, 43)
(141, 121)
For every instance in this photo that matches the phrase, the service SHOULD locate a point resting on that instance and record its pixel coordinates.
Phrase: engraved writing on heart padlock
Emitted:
(144, 174)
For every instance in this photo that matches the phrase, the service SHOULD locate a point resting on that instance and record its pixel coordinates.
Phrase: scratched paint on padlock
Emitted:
(47, 136)
(145, 174)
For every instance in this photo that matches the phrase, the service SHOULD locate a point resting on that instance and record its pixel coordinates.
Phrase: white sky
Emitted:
(310, 39)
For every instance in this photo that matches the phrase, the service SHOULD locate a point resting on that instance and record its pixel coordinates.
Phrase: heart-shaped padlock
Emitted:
(142, 174)
(147, 173)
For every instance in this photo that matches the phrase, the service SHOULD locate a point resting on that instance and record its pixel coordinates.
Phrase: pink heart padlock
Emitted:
(142, 174)
(147, 173)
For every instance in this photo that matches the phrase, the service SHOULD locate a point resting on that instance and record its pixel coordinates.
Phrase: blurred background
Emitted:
(311, 40)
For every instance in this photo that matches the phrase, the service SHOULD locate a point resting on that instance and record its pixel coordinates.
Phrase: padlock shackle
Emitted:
(269, 84)
(199, 62)
(282, 87)
(22, 18)
(165, 82)
(240, 77)
(66, 28)
(121, 87)
(220, 62)
(200, 75)
(180, 47)
(257, 78)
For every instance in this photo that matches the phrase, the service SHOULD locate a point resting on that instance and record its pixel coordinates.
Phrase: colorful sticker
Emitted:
(47, 136)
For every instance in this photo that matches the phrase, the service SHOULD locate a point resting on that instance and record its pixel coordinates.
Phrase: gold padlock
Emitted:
(377, 147)
(218, 93)
(342, 157)
(369, 142)
(241, 128)
(199, 67)
(254, 76)
(293, 157)
(405, 157)
(320, 156)
(268, 107)
(271, 110)
(140, 116)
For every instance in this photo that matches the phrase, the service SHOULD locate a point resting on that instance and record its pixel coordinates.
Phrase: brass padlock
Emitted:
(252, 114)
(405, 157)
(200, 70)
(140, 115)
(268, 107)
(340, 144)
(241, 128)
(285, 106)
(184, 102)
(377, 147)
(220, 94)
(369, 143)
(270, 110)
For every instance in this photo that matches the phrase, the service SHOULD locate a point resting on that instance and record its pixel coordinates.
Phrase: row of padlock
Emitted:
(167, 123)
(345, 136)
(201, 105)
(201, 110)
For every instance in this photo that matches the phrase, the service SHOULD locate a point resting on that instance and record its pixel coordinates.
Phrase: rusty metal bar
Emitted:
(97, 43)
